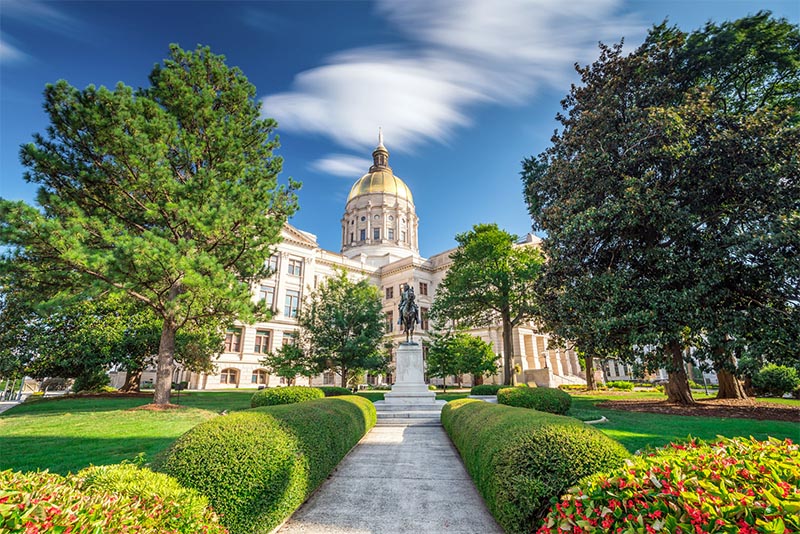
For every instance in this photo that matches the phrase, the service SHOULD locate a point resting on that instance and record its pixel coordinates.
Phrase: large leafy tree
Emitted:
(290, 361)
(343, 324)
(667, 198)
(168, 194)
(491, 278)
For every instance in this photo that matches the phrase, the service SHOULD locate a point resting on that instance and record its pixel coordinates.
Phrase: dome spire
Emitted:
(380, 156)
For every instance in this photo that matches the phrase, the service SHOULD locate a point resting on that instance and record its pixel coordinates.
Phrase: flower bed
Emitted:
(732, 485)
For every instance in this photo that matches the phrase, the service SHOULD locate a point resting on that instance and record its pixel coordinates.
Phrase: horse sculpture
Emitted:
(409, 317)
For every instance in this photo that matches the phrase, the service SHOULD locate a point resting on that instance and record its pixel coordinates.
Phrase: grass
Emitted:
(639, 430)
(67, 434)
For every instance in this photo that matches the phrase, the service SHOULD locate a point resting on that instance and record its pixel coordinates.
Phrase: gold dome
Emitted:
(380, 181)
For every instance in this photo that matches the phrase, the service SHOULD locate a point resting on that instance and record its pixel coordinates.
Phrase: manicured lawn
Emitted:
(67, 434)
(638, 430)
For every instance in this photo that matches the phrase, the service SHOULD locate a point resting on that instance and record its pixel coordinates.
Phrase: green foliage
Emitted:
(622, 384)
(289, 362)
(457, 352)
(46, 502)
(343, 325)
(490, 278)
(334, 391)
(551, 400)
(776, 380)
(258, 466)
(730, 485)
(131, 481)
(669, 220)
(93, 380)
(285, 395)
(521, 459)
(168, 194)
(486, 389)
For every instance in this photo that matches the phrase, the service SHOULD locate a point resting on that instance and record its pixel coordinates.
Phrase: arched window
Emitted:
(229, 376)
(260, 376)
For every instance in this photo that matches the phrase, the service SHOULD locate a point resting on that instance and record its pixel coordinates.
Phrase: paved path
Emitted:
(399, 479)
(5, 405)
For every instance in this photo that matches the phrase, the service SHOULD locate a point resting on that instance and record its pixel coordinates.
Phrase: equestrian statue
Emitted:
(409, 312)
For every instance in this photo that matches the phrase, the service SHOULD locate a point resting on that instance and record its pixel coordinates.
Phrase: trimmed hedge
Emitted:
(132, 481)
(486, 389)
(550, 400)
(334, 391)
(258, 466)
(731, 485)
(520, 459)
(620, 384)
(286, 395)
(47, 502)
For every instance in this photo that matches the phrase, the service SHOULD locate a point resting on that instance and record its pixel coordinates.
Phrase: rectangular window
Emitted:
(402, 236)
(390, 321)
(390, 292)
(295, 267)
(233, 340)
(390, 233)
(423, 288)
(327, 378)
(289, 338)
(267, 294)
(376, 233)
(423, 318)
(272, 263)
(259, 377)
(363, 234)
(292, 303)
(262, 342)
(352, 237)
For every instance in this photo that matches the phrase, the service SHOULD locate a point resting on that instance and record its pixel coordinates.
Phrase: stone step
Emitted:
(409, 408)
(410, 414)
(397, 421)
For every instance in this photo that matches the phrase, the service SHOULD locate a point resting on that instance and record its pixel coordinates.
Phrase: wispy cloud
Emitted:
(461, 54)
(42, 14)
(342, 165)
(10, 54)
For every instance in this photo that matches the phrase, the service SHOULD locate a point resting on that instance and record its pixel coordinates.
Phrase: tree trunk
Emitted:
(133, 380)
(508, 351)
(477, 380)
(166, 363)
(677, 388)
(730, 387)
(344, 377)
(588, 364)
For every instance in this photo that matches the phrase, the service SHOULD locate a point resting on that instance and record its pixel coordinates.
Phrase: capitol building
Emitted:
(380, 243)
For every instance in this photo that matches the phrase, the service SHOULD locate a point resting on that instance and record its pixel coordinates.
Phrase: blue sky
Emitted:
(463, 89)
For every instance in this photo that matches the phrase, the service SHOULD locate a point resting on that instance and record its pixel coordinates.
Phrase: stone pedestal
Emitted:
(409, 386)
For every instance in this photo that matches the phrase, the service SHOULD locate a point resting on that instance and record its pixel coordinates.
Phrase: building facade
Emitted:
(379, 243)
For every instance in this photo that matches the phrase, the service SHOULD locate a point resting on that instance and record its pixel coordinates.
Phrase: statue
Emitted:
(409, 312)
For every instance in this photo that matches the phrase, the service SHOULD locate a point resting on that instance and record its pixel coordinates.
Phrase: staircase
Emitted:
(411, 414)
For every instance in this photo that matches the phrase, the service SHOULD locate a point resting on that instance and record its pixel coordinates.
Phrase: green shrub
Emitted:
(572, 387)
(776, 380)
(287, 395)
(46, 502)
(431, 387)
(334, 391)
(486, 389)
(732, 485)
(550, 400)
(132, 481)
(91, 381)
(521, 459)
(258, 466)
(620, 384)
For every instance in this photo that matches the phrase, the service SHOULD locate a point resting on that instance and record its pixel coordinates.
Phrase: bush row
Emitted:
(258, 466)
(98, 501)
(620, 384)
(285, 395)
(731, 485)
(775, 380)
(491, 389)
(520, 459)
(550, 400)
(334, 391)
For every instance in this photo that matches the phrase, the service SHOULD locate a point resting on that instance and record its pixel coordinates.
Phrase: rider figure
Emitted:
(407, 298)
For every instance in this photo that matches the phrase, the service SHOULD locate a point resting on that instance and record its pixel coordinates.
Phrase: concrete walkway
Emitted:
(399, 479)
(7, 405)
